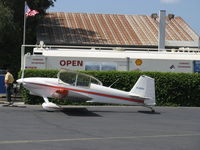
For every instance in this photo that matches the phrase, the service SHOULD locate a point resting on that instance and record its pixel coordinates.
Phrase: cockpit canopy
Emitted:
(76, 78)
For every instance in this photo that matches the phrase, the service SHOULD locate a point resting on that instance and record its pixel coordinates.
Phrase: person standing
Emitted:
(8, 83)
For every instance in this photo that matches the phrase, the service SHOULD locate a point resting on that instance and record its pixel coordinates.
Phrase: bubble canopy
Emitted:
(76, 78)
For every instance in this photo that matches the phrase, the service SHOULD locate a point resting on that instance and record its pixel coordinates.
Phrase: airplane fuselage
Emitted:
(52, 87)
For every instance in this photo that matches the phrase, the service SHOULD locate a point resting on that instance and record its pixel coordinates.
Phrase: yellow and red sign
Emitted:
(138, 62)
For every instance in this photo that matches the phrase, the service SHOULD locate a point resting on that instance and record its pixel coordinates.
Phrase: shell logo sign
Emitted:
(138, 62)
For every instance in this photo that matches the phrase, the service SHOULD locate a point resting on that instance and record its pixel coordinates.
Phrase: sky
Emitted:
(189, 10)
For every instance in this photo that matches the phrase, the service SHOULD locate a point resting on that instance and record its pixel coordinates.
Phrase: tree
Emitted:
(11, 29)
(6, 29)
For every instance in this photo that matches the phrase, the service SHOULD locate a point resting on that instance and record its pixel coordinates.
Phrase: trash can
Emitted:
(2, 84)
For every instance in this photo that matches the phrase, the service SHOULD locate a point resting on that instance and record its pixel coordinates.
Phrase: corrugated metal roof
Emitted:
(109, 29)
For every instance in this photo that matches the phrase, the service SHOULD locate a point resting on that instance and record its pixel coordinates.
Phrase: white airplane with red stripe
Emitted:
(76, 86)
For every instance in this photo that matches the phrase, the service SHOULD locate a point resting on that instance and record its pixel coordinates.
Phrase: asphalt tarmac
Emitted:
(99, 128)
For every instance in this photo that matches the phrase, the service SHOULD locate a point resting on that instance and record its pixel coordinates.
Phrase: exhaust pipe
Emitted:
(162, 23)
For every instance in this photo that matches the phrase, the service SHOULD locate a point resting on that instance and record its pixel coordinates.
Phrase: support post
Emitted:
(22, 56)
(128, 63)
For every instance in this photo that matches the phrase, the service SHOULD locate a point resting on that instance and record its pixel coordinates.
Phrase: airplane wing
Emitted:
(60, 94)
(70, 95)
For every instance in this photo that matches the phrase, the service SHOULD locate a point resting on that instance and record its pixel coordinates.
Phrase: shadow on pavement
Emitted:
(83, 112)
(150, 112)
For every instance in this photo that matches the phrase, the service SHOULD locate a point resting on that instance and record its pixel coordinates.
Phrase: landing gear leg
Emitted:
(49, 106)
(46, 99)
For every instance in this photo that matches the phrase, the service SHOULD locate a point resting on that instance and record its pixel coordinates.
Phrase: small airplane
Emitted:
(76, 86)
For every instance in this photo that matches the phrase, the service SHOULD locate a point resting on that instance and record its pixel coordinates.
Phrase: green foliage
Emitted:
(6, 17)
(172, 89)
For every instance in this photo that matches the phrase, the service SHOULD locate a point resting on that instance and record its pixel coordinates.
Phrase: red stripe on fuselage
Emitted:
(89, 92)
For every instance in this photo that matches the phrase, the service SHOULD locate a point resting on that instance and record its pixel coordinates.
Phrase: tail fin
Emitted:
(145, 89)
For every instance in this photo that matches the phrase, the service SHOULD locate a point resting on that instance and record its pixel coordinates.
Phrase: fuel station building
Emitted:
(83, 41)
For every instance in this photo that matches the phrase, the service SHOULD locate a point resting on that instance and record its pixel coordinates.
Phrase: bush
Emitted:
(172, 89)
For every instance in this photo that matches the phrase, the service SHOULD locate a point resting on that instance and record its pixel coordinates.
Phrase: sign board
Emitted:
(162, 65)
(196, 66)
(35, 62)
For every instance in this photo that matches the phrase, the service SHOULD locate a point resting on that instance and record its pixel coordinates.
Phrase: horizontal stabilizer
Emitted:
(137, 96)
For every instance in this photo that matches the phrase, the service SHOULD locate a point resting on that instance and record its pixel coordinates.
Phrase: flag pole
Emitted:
(24, 39)
(24, 32)
(27, 12)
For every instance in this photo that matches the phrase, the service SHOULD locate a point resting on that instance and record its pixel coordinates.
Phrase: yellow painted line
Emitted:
(92, 139)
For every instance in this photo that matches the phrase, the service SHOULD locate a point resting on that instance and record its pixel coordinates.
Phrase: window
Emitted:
(92, 66)
(77, 78)
(108, 67)
(100, 66)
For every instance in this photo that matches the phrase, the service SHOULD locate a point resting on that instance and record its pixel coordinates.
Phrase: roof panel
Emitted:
(187, 29)
(138, 31)
(101, 37)
(125, 31)
(136, 40)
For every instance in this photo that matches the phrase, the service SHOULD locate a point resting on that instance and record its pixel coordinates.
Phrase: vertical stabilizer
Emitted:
(145, 89)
